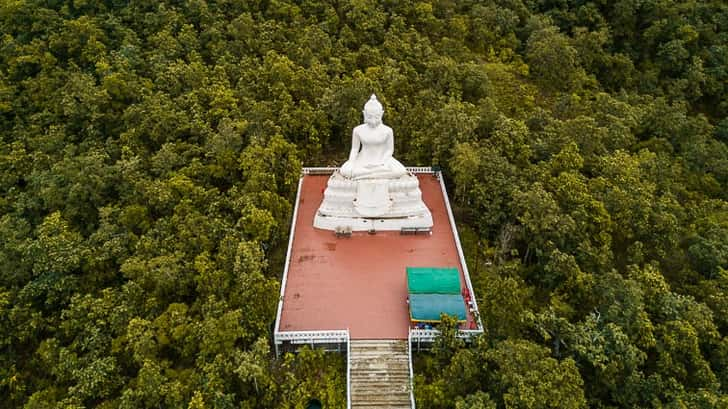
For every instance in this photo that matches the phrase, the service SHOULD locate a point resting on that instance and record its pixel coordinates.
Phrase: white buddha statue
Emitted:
(372, 190)
(372, 146)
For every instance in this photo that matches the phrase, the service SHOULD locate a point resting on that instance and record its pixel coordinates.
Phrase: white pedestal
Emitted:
(372, 204)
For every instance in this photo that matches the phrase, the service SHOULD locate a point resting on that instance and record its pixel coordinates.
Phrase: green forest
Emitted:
(150, 152)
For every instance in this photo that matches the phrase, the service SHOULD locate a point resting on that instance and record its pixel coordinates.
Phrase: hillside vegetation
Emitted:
(149, 154)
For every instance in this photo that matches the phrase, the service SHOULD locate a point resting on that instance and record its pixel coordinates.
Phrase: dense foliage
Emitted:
(149, 152)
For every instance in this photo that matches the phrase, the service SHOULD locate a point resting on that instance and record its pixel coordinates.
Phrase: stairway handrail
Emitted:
(411, 372)
(348, 369)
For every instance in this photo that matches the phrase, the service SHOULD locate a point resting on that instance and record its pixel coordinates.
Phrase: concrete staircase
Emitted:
(380, 374)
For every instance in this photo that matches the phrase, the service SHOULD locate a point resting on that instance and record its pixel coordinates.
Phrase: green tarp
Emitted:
(428, 307)
(431, 280)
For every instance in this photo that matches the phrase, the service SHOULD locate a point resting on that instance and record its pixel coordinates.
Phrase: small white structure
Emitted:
(372, 190)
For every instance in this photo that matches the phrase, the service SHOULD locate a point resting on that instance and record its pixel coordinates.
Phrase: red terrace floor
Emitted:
(360, 283)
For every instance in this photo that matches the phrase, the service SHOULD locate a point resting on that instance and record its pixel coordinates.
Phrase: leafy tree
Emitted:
(553, 61)
(528, 378)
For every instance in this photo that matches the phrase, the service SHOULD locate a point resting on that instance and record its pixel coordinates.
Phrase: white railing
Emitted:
(331, 169)
(429, 335)
(466, 273)
(287, 262)
(420, 169)
(319, 170)
(348, 370)
(411, 372)
(312, 337)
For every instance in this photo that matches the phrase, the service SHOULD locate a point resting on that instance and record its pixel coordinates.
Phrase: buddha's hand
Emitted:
(347, 170)
(374, 165)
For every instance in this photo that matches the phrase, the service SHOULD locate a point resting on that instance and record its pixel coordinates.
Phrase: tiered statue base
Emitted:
(372, 204)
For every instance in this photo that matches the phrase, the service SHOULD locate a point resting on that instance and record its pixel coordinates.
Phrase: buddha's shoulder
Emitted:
(360, 128)
(365, 129)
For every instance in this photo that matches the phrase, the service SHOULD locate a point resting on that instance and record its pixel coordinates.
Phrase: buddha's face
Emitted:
(372, 117)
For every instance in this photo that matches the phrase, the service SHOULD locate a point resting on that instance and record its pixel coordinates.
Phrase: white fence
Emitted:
(329, 170)
(428, 336)
(411, 370)
(348, 371)
(312, 337)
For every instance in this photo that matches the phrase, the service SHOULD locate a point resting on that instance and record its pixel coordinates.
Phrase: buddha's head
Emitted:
(373, 112)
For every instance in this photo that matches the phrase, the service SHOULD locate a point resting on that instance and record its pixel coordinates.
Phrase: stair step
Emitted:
(368, 400)
(376, 351)
(392, 362)
(369, 352)
(379, 346)
(367, 405)
(374, 370)
(380, 358)
(386, 381)
(380, 394)
(379, 375)
(380, 381)
(380, 391)
(380, 397)
(379, 365)
(402, 385)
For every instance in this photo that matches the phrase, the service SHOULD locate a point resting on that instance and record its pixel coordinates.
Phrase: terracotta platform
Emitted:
(360, 282)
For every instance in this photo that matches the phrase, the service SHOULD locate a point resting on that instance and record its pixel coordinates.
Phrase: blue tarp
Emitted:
(428, 307)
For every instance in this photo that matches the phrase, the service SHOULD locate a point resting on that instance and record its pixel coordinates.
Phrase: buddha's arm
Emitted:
(355, 145)
(389, 145)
